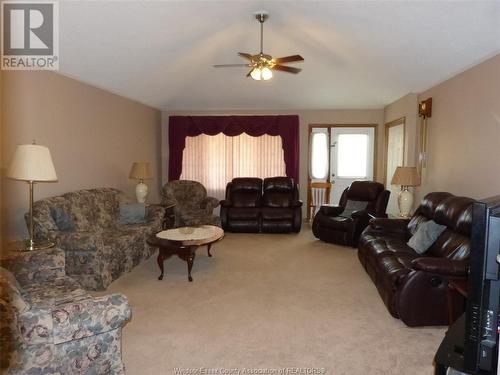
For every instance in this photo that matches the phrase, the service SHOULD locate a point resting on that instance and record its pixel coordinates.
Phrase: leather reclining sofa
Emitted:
(414, 287)
(254, 205)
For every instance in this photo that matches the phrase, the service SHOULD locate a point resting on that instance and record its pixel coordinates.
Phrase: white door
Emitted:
(352, 153)
(394, 158)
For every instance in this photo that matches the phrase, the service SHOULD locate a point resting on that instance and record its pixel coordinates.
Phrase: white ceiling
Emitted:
(357, 54)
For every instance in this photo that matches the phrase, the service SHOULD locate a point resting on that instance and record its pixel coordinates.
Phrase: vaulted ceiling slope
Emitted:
(357, 54)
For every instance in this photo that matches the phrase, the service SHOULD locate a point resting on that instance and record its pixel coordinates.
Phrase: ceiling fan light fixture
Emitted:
(261, 74)
(256, 74)
(266, 74)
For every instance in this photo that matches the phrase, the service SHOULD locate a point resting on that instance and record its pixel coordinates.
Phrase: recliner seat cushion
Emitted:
(243, 213)
(246, 199)
(277, 214)
(277, 199)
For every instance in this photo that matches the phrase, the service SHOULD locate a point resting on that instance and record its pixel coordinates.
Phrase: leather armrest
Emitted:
(390, 225)
(331, 210)
(297, 203)
(442, 266)
(359, 213)
(377, 215)
(225, 203)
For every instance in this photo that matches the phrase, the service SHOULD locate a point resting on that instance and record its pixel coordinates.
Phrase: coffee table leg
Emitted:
(208, 249)
(190, 262)
(160, 260)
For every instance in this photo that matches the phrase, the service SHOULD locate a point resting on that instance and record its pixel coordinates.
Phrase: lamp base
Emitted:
(141, 192)
(31, 245)
(405, 203)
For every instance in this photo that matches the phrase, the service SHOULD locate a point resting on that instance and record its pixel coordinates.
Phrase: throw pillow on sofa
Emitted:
(132, 213)
(427, 233)
(62, 219)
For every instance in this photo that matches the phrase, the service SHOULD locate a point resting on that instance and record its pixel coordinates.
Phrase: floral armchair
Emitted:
(50, 325)
(192, 206)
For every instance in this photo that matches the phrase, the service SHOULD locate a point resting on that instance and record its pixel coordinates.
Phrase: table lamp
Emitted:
(405, 176)
(32, 163)
(141, 171)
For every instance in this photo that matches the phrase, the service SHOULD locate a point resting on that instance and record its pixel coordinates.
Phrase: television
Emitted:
(481, 345)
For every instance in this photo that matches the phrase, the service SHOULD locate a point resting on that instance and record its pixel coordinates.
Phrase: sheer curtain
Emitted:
(216, 160)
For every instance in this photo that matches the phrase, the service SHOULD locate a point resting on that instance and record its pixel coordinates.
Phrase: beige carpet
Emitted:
(267, 302)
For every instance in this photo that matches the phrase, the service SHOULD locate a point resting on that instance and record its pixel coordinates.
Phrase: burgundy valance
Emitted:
(286, 126)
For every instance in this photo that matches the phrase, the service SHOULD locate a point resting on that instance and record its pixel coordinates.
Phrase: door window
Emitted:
(352, 156)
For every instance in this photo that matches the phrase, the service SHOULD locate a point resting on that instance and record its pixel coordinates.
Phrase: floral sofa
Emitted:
(50, 325)
(99, 249)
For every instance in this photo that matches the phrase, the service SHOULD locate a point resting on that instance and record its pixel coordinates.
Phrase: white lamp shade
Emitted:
(32, 163)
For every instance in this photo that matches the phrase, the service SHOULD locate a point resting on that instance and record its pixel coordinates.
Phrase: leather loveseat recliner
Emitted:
(253, 205)
(240, 211)
(281, 207)
(342, 226)
(414, 287)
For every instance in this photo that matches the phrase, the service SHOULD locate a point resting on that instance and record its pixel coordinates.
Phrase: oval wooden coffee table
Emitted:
(179, 242)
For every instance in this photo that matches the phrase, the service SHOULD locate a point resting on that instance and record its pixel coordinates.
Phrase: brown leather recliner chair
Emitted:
(281, 207)
(412, 286)
(241, 210)
(344, 223)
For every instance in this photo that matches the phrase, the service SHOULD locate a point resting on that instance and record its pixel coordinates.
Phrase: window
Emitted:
(216, 160)
(352, 155)
(319, 155)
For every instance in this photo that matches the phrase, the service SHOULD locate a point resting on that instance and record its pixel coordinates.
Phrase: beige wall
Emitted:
(370, 116)
(93, 135)
(463, 132)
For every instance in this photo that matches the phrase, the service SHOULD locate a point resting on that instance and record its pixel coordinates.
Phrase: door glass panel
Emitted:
(352, 155)
(319, 156)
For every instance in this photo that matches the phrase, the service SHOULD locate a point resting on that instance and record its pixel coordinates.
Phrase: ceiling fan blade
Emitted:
(245, 55)
(229, 65)
(287, 69)
(287, 59)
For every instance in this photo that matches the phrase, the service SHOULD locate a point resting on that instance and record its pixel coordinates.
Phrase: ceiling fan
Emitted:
(262, 64)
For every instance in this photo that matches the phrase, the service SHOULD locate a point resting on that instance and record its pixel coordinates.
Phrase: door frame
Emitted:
(330, 127)
(388, 125)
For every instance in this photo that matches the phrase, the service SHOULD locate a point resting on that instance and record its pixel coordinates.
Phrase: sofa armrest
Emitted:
(36, 266)
(209, 204)
(74, 320)
(331, 210)
(442, 266)
(155, 214)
